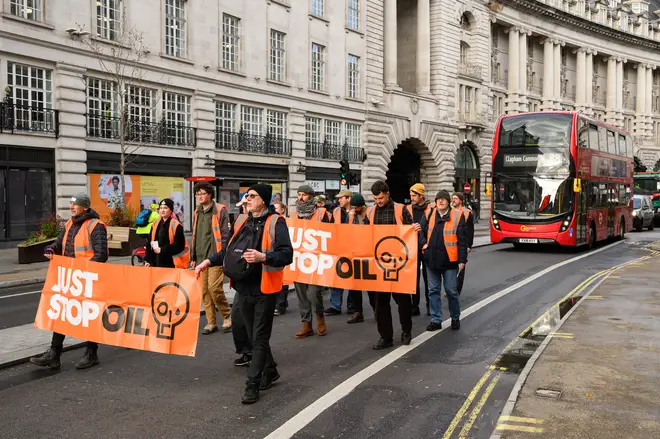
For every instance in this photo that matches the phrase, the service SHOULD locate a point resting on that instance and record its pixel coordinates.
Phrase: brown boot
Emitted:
(306, 330)
(320, 322)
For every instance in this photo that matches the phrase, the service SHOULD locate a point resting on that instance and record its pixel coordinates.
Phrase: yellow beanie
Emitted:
(417, 188)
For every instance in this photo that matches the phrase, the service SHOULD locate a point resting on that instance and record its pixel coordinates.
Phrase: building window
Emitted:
(31, 90)
(177, 118)
(231, 27)
(252, 120)
(28, 9)
(175, 28)
(140, 102)
(333, 132)
(108, 19)
(465, 49)
(352, 134)
(102, 118)
(225, 123)
(353, 77)
(353, 16)
(318, 67)
(312, 130)
(276, 124)
(277, 56)
(318, 7)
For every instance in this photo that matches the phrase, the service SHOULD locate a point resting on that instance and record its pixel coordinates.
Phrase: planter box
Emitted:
(29, 254)
(123, 240)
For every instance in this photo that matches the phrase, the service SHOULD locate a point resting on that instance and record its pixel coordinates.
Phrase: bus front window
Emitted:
(532, 197)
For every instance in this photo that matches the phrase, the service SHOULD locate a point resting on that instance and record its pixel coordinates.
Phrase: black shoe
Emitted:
(415, 311)
(244, 360)
(88, 360)
(357, 318)
(332, 312)
(455, 325)
(434, 326)
(251, 394)
(268, 379)
(406, 338)
(50, 358)
(279, 312)
(382, 344)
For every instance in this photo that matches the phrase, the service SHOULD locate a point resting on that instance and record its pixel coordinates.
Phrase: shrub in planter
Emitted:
(32, 249)
(121, 218)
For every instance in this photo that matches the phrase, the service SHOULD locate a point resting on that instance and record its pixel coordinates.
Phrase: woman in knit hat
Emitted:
(168, 247)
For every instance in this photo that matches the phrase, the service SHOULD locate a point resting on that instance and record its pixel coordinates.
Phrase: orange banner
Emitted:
(354, 257)
(152, 309)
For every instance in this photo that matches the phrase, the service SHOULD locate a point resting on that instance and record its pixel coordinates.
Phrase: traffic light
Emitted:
(344, 172)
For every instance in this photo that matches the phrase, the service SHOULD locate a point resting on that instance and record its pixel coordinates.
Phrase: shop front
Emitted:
(326, 181)
(27, 189)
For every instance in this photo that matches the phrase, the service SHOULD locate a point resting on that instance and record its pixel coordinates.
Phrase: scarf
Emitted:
(305, 209)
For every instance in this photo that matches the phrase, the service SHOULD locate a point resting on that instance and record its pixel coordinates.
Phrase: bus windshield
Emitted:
(647, 185)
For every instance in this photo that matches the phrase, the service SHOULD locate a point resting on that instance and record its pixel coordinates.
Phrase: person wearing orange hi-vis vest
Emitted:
(457, 202)
(168, 247)
(254, 260)
(420, 209)
(445, 253)
(85, 237)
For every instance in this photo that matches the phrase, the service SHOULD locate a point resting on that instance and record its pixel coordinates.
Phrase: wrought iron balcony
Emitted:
(468, 70)
(141, 131)
(329, 151)
(250, 143)
(15, 118)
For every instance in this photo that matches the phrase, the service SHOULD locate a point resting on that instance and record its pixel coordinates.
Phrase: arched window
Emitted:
(465, 158)
(466, 22)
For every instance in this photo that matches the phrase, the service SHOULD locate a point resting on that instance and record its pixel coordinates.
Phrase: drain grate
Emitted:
(548, 393)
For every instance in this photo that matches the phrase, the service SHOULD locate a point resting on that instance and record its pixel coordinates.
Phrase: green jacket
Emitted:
(146, 230)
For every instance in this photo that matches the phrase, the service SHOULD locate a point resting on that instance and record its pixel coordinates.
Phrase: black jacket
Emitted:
(419, 217)
(436, 254)
(469, 229)
(167, 250)
(99, 238)
(281, 256)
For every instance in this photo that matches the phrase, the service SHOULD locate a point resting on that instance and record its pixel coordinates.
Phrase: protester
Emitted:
(85, 237)
(339, 216)
(260, 281)
(210, 232)
(457, 202)
(145, 231)
(358, 216)
(386, 211)
(420, 210)
(320, 201)
(310, 295)
(446, 254)
(283, 296)
(168, 247)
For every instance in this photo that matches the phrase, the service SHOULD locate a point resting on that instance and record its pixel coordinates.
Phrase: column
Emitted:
(557, 75)
(640, 107)
(611, 91)
(649, 100)
(619, 90)
(423, 47)
(548, 75)
(522, 61)
(514, 70)
(204, 109)
(581, 80)
(390, 44)
(589, 74)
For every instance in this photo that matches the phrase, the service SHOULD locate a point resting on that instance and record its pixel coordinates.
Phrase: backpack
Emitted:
(143, 218)
(235, 267)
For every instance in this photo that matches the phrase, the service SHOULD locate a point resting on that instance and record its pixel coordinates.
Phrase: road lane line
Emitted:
(466, 405)
(312, 411)
(520, 420)
(20, 294)
(523, 428)
(477, 409)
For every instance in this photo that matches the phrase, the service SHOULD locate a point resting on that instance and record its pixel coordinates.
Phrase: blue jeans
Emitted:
(336, 297)
(436, 280)
(353, 302)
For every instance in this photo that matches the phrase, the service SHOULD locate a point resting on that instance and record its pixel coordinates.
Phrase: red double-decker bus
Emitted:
(560, 178)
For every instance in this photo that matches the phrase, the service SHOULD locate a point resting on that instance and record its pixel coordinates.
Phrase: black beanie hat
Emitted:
(167, 202)
(443, 194)
(265, 191)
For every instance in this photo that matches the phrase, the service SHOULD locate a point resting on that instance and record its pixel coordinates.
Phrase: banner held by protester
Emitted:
(154, 309)
(378, 258)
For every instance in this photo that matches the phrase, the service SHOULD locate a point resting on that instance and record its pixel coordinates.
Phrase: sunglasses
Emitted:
(251, 196)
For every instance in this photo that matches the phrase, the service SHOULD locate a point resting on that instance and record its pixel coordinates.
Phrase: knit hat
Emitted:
(265, 191)
(167, 202)
(460, 196)
(417, 188)
(443, 194)
(81, 199)
(357, 200)
(306, 189)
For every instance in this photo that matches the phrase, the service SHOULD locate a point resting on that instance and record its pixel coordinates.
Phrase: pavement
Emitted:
(597, 375)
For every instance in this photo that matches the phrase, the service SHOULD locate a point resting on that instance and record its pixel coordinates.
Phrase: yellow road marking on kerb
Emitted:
(466, 405)
(477, 409)
(524, 428)
(592, 297)
(520, 420)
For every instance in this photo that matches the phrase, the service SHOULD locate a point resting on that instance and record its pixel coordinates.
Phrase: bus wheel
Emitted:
(622, 229)
(592, 237)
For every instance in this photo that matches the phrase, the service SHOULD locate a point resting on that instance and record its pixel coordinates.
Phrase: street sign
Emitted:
(466, 188)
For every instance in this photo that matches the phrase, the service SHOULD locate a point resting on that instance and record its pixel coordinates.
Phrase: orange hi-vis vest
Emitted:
(272, 278)
(466, 213)
(215, 226)
(449, 233)
(427, 211)
(398, 213)
(336, 215)
(181, 260)
(352, 216)
(82, 242)
(318, 215)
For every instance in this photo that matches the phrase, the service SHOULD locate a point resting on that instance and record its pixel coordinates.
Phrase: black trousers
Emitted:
(258, 316)
(460, 280)
(384, 313)
(57, 343)
(239, 331)
(283, 299)
(354, 301)
(421, 266)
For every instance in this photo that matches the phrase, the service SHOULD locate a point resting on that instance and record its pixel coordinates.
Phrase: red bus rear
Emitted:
(560, 178)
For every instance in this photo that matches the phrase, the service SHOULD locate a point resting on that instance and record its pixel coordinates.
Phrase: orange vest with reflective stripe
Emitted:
(352, 216)
(449, 233)
(427, 211)
(82, 242)
(215, 226)
(336, 215)
(181, 260)
(398, 213)
(272, 278)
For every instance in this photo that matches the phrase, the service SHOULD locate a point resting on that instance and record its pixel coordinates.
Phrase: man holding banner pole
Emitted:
(420, 210)
(339, 216)
(86, 237)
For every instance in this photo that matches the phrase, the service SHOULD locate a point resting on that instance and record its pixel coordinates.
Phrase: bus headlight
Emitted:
(565, 224)
(496, 223)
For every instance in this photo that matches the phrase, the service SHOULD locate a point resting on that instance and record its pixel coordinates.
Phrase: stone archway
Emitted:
(467, 168)
(403, 171)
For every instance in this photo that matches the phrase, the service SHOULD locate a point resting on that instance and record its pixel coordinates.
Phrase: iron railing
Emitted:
(330, 151)
(141, 131)
(15, 117)
(243, 142)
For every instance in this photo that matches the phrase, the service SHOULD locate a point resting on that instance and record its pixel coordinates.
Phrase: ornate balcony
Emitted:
(250, 143)
(329, 151)
(472, 71)
(17, 118)
(141, 131)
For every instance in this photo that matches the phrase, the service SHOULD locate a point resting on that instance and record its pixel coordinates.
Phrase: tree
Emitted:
(639, 166)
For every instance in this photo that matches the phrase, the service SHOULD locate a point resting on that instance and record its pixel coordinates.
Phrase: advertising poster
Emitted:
(154, 189)
(106, 193)
(277, 193)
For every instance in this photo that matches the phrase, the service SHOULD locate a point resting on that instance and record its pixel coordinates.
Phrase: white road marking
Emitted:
(312, 411)
(20, 294)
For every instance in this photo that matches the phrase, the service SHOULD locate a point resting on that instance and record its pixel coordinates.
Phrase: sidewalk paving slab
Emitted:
(606, 364)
